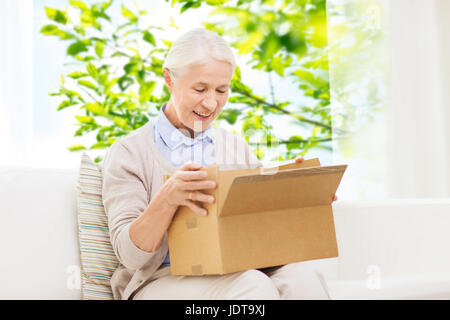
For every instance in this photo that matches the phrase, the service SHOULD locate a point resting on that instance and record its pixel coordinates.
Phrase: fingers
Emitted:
(191, 175)
(199, 185)
(196, 208)
(188, 179)
(299, 159)
(200, 196)
(191, 166)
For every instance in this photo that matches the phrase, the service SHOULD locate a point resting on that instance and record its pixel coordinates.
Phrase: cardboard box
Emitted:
(261, 218)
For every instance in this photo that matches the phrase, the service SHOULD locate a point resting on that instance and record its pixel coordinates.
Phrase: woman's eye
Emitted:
(203, 90)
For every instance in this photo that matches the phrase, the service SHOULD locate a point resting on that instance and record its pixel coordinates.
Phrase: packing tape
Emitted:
(191, 223)
(197, 270)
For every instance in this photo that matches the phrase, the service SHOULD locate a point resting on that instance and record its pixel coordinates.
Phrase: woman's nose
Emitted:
(210, 103)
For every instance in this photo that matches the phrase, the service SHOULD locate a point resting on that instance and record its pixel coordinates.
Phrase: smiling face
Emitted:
(198, 95)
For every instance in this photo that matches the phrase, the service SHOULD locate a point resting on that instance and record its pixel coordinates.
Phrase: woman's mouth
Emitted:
(202, 116)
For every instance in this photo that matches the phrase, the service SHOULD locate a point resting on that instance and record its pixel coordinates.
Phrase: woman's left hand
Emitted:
(300, 159)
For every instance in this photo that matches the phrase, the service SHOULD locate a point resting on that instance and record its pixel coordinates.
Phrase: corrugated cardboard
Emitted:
(261, 218)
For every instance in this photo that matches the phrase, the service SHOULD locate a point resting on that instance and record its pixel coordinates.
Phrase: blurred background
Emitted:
(364, 83)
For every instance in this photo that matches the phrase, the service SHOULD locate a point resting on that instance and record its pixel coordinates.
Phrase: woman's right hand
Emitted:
(183, 188)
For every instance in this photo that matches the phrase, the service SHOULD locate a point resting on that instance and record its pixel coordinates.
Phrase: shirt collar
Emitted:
(174, 137)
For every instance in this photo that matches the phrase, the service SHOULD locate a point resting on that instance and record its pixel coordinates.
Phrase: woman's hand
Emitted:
(300, 159)
(182, 188)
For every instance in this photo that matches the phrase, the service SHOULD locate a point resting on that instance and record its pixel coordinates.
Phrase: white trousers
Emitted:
(294, 281)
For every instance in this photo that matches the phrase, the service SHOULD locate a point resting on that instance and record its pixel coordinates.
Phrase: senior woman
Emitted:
(179, 141)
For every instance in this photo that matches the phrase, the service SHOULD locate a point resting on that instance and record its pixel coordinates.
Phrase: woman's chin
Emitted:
(201, 125)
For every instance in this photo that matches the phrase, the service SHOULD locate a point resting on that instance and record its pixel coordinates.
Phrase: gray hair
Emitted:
(195, 47)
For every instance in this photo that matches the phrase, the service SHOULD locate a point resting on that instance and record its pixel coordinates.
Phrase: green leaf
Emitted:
(65, 104)
(101, 134)
(106, 5)
(77, 75)
(79, 4)
(92, 70)
(56, 15)
(295, 144)
(129, 105)
(269, 47)
(149, 37)
(310, 78)
(77, 147)
(279, 63)
(120, 122)
(190, 4)
(230, 115)
(294, 42)
(85, 59)
(324, 96)
(80, 30)
(125, 82)
(87, 84)
(85, 119)
(99, 48)
(315, 131)
(52, 30)
(145, 91)
(250, 42)
(129, 14)
(109, 84)
(88, 19)
(260, 152)
(71, 94)
(76, 48)
(215, 2)
(95, 108)
(237, 74)
(99, 145)
(85, 128)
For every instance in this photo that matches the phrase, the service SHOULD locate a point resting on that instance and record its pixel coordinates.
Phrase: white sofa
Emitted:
(392, 250)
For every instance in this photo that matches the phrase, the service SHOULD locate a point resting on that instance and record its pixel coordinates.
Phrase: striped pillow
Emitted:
(98, 260)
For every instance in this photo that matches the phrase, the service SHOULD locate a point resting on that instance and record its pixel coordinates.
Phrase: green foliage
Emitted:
(358, 53)
(120, 67)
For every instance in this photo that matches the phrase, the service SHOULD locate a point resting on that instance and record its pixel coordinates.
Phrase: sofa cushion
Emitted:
(394, 287)
(98, 260)
(38, 241)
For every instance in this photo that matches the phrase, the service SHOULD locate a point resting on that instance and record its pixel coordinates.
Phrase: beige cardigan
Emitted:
(133, 172)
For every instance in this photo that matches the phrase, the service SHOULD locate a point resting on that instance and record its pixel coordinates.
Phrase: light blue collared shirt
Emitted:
(178, 148)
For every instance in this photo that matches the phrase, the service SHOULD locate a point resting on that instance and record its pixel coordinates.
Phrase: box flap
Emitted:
(226, 177)
(288, 188)
(271, 238)
(293, 165)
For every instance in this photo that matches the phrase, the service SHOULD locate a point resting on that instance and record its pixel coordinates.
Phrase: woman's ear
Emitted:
(167, 79)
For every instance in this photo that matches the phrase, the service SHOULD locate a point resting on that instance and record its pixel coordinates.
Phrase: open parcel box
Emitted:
(262, 217)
